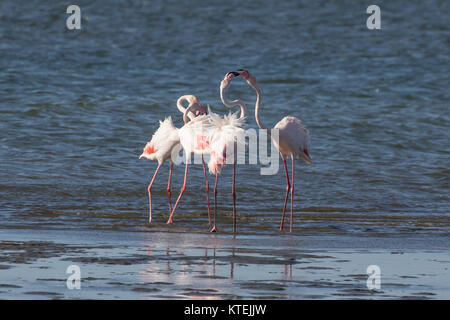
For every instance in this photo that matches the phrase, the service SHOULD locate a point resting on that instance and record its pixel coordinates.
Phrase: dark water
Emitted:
(76, 108)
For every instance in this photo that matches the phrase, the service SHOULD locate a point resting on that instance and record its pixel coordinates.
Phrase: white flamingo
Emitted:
(163, 143)
(198, 109)
(224, 85)
(293, 141)
(214, 135)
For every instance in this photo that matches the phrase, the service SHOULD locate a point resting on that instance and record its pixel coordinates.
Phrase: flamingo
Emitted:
(163, 143)
(192, 137)
(214, 135)
(292, 142)
(193, 100)
(215, 164)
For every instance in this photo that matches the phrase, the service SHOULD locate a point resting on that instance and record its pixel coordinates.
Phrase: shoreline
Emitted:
(156, 265)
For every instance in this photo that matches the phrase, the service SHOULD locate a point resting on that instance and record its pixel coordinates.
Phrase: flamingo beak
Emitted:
(230, 75)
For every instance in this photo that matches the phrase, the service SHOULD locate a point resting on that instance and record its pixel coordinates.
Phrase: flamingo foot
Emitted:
(170, 221)
(214, 229)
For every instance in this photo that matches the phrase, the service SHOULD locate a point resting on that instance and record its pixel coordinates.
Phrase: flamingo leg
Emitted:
(181, 193)
(169, 193)
(288, 187)
(150, 193)
(292, 194)
(214, 228)
(233, 193)
(207, 189)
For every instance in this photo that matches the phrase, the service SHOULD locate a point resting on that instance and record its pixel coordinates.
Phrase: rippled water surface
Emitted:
(77, 107)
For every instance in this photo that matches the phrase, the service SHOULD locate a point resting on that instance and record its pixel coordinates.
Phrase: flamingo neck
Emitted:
(186, 117)
(257, 106)
(183, 109)
(231, 104)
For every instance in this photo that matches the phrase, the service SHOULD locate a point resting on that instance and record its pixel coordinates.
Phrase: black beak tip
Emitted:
(234, 73)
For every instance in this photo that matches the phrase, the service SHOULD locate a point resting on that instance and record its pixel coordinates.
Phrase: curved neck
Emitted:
(231, 104)
(257, 106)
(186, 117)
(183, 109)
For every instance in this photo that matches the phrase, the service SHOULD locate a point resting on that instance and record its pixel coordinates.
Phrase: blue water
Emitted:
(77, 107)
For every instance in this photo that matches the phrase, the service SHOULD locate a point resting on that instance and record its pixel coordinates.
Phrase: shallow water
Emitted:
(165, 265)
(77, 107)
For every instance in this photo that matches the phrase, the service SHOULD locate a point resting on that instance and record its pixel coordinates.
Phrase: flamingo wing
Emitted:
(162, 143)
(293, 138)
(227, 131)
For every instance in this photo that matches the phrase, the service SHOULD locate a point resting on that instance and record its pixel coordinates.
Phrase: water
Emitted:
(77, 107)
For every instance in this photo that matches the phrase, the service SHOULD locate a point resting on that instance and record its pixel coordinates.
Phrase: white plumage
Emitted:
(227, 131)
(212, 134)
(293, 139)
(163, 141)
(192, 135)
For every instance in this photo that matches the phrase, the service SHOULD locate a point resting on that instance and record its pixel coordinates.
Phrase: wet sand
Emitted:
(168, 265)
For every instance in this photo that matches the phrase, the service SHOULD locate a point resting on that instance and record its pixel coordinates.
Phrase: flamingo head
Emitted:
(200, 111)
(197, 107)
(227, 79)
(247, 76)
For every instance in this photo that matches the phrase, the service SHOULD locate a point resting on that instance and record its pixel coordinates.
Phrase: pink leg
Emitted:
(150, 193)
(207, 189)
(169, 193)
(233, 193)
(214, 228)
(292, 194)
(179, 196)
(288, 187)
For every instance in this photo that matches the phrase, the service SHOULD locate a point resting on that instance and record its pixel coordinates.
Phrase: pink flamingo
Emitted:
(293, 141)
(164, 141)
(211, 134)
(216, 163)
(198, 109)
